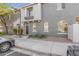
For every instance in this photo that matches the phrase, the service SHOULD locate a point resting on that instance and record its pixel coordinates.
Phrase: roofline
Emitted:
(27, 5)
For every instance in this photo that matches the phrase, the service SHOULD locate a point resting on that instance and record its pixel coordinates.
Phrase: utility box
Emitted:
(73, 33)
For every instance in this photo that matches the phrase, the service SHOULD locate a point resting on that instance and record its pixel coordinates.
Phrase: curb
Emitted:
(35, 52)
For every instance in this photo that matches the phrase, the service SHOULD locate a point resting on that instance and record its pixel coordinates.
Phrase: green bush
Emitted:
(2, 33)
(20, 31)
(40, 36)
(15, 30)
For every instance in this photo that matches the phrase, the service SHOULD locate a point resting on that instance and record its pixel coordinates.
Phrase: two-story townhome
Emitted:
(48, 18)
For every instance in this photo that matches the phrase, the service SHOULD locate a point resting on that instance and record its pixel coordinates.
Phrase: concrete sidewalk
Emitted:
(42, 46)
(47, 47)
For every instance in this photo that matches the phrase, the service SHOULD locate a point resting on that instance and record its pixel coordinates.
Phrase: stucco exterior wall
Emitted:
(53, 16)
(48, 12)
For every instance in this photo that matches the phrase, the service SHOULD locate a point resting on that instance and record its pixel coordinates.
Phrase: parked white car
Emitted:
(6, 44)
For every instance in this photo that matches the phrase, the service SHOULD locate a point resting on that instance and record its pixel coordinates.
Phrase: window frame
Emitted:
(60, 6)
(59, 32)
(30, 11)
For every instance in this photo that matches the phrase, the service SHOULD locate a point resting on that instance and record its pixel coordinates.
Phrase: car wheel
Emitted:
(68, 54)
(4, 47)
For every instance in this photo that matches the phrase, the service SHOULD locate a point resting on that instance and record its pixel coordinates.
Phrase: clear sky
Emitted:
(17, 5)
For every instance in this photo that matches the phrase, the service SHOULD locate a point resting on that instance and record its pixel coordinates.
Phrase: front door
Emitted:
(27, 30)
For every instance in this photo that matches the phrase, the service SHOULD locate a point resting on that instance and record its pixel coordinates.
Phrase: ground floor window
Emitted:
(46, 27)
(34, 27)
(62, 26)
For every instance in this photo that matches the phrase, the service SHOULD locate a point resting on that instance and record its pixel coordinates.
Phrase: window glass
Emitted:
(60, 6)
(63, 5)
(62, 26)
(29, 11)
(45, 26)
(34, 27)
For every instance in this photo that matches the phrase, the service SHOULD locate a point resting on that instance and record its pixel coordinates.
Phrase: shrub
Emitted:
(20, 31)
(40, 36)
(15, 30)
(2, 33)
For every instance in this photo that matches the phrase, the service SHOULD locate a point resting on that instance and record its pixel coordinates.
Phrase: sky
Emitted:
(17, 5)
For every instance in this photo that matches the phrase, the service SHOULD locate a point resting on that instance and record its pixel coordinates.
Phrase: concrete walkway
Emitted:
(48, 47)
(43, 47)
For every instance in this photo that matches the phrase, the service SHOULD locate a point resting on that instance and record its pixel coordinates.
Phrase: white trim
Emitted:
(59, 6)
(31, 20)
(62, 33)
(59, 9)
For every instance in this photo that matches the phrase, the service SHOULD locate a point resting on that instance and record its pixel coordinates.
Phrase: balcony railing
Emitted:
(29, 17)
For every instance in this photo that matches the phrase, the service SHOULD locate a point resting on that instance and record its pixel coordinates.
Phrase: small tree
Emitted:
(4, 15)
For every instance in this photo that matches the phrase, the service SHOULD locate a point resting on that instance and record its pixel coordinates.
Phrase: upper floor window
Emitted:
(30, 11)
(60, 6)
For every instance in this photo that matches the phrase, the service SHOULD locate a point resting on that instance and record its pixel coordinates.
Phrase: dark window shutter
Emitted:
(63, 5)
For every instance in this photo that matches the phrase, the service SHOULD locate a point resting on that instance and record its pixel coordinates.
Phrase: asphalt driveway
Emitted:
(13, 53)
